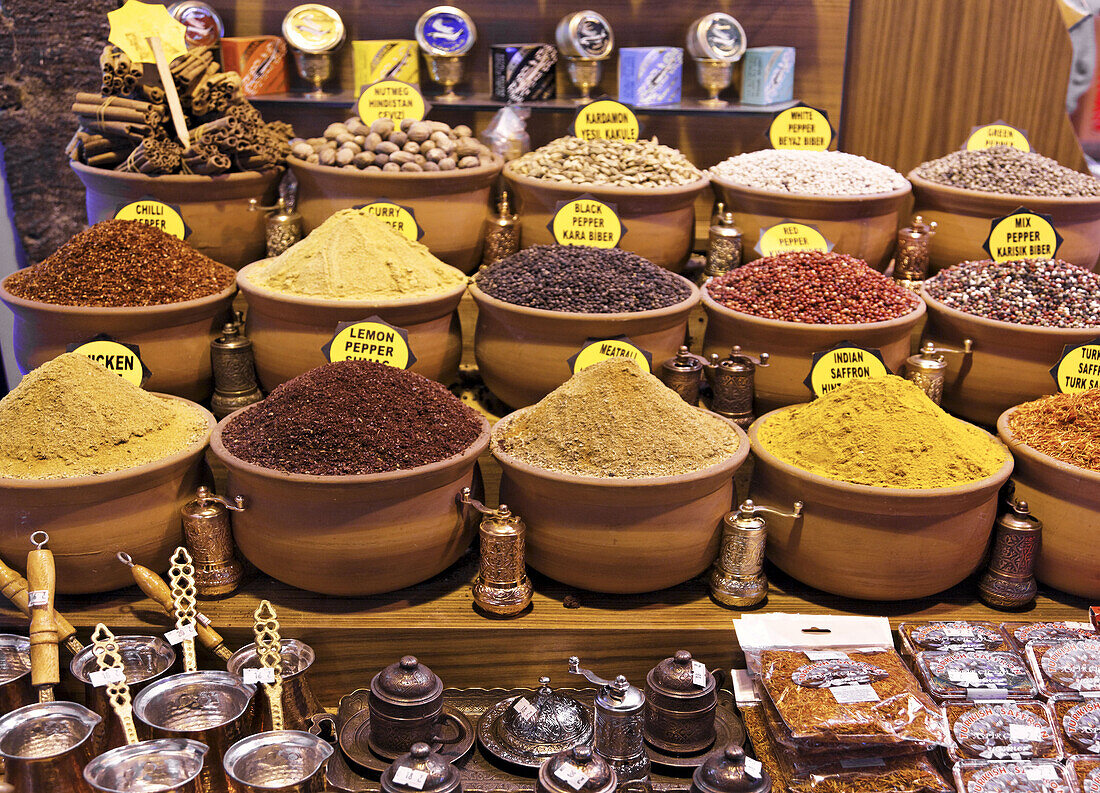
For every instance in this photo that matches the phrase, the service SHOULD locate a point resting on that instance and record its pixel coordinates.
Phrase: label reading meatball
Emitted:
(596, 350)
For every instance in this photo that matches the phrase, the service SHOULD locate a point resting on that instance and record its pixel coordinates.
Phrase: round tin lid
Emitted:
(716, 36)
(724, 772)
(313, 28)
(675, 677)
(407, 682)
(421, 770)
(445, 30)
(548, 723)
(202, 25)
(585, 34)
(581, 766)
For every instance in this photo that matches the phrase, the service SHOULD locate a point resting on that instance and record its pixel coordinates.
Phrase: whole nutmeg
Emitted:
(363, 159)
(435, 155)
(391, 167)
(328, 156)
(401, 157)
(468, 162)
(344, 156)
(381, 158)
(430, 166)
(313, 158)
(400, 138)
(447, 164)
(301, 150)
(419, 159)
(412, 147)
(351, 146)
(419, 131)
(356, 126)
(360, 140)
(467, 147)
(373, 168)
(387, 147)
(344, 137)
(406, 123)
(463, 131)
(315, 142)
(412, 167)
(382, 127)
(372, 140)
(332, 130)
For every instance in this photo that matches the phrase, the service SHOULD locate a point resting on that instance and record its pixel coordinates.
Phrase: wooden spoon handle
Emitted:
(14, 587)
(45, 661)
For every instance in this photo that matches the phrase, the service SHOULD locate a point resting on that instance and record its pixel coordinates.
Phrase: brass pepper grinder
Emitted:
(912, 256)
(209, 537)
(737, 578)
(234, 368)
(282, 226)
(45, 659)
(502, 586)
(1009, 580)
(928, 368)
(619, 725)
(732, 383)
(502, 237)
(728, 770)
(724, 249)
(683, 374)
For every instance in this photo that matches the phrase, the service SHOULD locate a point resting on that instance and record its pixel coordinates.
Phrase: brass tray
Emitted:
(482, 775)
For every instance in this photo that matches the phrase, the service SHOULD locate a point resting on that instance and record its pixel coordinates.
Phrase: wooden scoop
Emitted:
(45, 663)
(15, 587)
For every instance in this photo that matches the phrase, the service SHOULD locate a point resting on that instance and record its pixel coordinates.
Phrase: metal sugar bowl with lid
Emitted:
(524, 732)
(729, 771)
(576, 770)
(681, 701)
(620, 721)
(421, 770)
(406, 702)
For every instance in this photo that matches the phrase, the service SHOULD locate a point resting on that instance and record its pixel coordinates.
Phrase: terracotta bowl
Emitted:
(659, 222)
(523, 353)
(215, 208)
(174, 339)
(873, 543)
(91, 518)
(352, 535)
(620, 535)
(791, 346)
(861, 226)
(963, 218)
(451, 207)
(1066, 498)
(1009, 364)
(288, 331)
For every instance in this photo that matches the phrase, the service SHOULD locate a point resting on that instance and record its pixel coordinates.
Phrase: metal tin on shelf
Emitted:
(313, 28)
(718, 37)
(202, 25)
(585, 34)
(445, 30)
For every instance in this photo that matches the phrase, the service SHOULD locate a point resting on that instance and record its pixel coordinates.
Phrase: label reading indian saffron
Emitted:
(790, 236)
(607, 119)
(832, 368)
(596, 350)
(990, 136)
(371, 339)
(801, 127)
(586, 221)
(391, 99)
(1022, 235)
(122, 359)
(157, 214)
(400, 219)
(1079, 368)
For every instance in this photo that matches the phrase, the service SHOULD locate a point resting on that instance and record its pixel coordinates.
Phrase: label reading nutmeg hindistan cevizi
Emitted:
(607, 119)
(801, 127)
(596, 350)
(391, 99)
(400, 219)
(791, 237)
(122, 359)
(1079, 367)
(1022, 235)
(586, 221)
(833, 368)
(989, 136)
(157, 214)
(371, 339)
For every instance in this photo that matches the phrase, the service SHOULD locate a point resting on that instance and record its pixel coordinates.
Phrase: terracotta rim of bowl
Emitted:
(470, 453)
(686, 304)
(977, 196)
(857, 327)
(996, 324)
(1017, 446)
(568, 188)
(249, 288)
(729, 465)
(891, 197)
(993, 480)
(400, 176)
(118, 311)
(197, 447)
(179, 179)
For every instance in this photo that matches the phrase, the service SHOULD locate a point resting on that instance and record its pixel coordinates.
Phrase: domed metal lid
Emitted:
(679, 676)
(408, 682)
(724, 772)
(421, 770)
(577, 766)
(547, 723)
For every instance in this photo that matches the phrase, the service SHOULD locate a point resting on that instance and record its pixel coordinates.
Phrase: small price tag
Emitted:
(571, 775)
(586, 221)
(258, 674)
(180, 635)
(1022, 235)
(1040, 771)
(753, 767)
(1024, 733)
(38, 597)
(699, 674)
(801, 127)
(861, 692)
(826, 655)
(525, 709)
(863, 762)
(410, 777)
(202, 619)
(104, 677)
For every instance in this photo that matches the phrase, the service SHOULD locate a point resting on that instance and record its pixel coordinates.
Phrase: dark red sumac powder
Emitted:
(353, 417)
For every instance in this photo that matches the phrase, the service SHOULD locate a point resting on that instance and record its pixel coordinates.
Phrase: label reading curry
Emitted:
(157, 214)
(371, 339)
(801, 127)
(833, 368)
(1079, 367)
(607, 119)
(122, 359)
(400, 219)
(391, 99)
(586, 221)
(998, 134)
(596, 350)
(790, 236)
(1022, 235)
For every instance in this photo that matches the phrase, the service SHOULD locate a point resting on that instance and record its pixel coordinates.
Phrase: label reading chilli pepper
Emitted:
(157, 214)
(586, 221)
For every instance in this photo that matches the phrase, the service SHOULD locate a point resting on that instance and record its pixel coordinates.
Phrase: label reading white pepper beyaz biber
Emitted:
(371, 339)
(801, 127)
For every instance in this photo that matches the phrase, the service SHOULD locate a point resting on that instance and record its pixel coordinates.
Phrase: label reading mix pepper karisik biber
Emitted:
(586, 221)
(832, 368)
(596, 350)
(122, 359)
(801, 127)
(791, 236)
(1022, 235)
(370, 339)
(1079, 367)
(157, 214)
(391, 99)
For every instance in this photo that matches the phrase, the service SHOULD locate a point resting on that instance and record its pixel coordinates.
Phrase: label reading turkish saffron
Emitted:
(607, 119)
(788, 236)
(157, 214)
(833, 368)
(801, 127)
(371, 339)
(391, 99)
(122, 359)
(596, 350)
(998, 134)
(586, 221)
(1078, 369)
(1022, 235)
(400, 219)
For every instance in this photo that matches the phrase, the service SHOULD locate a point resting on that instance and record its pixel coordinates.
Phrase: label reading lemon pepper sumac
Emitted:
(391, 99)
(1022, 235)
(370, 339)
(122, 359)
(832, 368)
(157, 214)
(801, 127)
(596, 350)
(400, 219)
(998, 134)
(790, 236)
(607, 119)
(1079, 367)
(586, 221)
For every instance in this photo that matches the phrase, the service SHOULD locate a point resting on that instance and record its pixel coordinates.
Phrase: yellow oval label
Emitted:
(371, 340)
(156, 214)
(597, 350)
(586, 221)
(1079, 368)
(115, 357)
(1022, 235)
(607, 119)
(801, 127)
(999, 134)
(391, 99)
(398, 218)
(832, 368)
(788, 236)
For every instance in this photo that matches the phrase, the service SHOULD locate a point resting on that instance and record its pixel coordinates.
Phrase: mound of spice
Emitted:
(119, 263)
(72, 417)
(1047, 292)
(355, 255)
(614, 420)
(812, 287)
(1065, 426)
(643, 163)
(883, 432)
(1008, 171)
(582, 279)
(351, 418)
(811, 173)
